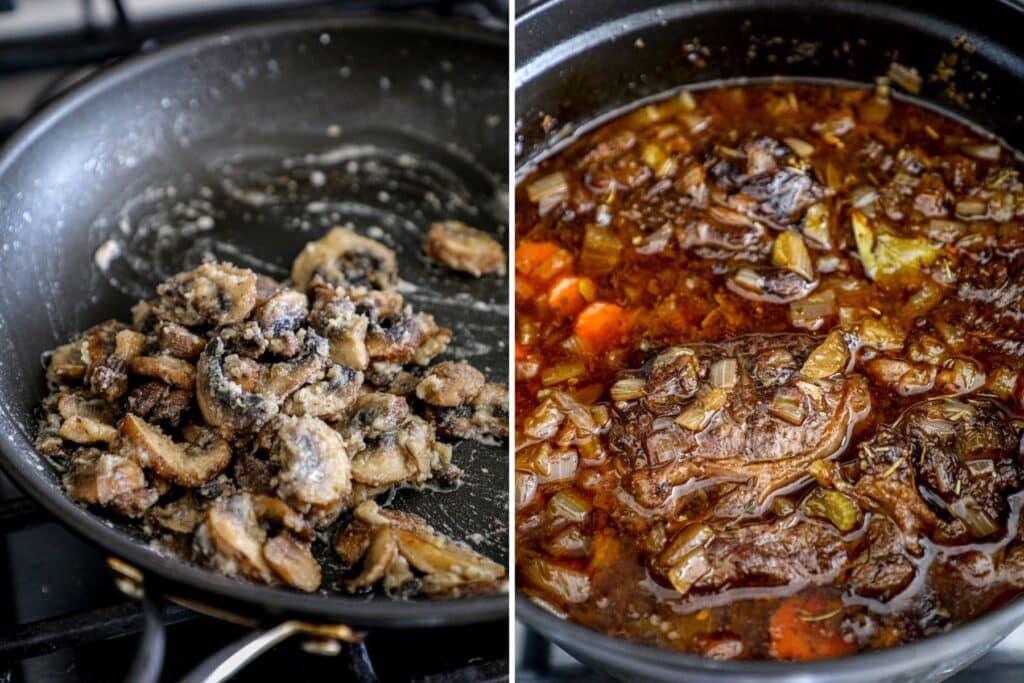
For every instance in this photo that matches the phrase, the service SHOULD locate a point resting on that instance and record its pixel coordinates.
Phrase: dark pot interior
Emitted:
(577, 63)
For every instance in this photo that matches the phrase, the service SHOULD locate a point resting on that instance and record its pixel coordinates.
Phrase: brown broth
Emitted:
(914, 175)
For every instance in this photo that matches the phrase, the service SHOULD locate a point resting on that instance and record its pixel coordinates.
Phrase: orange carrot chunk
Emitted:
(601, 325)
(569, 294)
(805, 627)
(542, 260)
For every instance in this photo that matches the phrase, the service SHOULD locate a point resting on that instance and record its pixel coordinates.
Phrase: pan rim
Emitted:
(901, 658)
(15, 445)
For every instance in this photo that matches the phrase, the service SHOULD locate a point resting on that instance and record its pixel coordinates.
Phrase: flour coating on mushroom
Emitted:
(236, 415)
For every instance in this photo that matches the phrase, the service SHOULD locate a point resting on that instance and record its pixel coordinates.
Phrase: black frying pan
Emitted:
(245, 145)
(577, 61)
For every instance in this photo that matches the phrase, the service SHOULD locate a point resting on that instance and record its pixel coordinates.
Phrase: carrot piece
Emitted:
(529, 255)
(601, 325)
(569, 294)
(542, 260)
(804, 627)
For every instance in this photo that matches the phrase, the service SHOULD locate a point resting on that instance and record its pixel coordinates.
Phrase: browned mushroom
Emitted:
(110, 480)
(405, 539)
(345, 259)
(224, 403)
(189, 464)
(212, 294)
(449, 384)
(460, 247)
(314, 466)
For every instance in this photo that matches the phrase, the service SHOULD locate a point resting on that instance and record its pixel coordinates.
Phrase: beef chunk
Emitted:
(759, 434)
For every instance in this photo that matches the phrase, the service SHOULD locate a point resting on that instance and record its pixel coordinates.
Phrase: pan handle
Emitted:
(232, 658)
(149, 656)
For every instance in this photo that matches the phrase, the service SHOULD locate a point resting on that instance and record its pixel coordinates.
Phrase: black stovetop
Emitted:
(61, 617)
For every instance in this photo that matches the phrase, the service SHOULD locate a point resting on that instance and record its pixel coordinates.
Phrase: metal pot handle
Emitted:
(323, 639)
(230, 659)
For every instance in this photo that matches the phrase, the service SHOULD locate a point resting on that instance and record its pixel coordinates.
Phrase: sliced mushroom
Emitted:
(109, 349)
(345, 259)
(407, 539)
(393, 337)
(375, 413)
(175, 340)
(180, 516)
(382, 464)
(483, 418)
(173, 371)
(351, 541)
(293, 562)
(381, 552)
(286, 377)
(314, 466)
(338, 321)
(280, 317)
(189, 464)
(212, 294)
(66, 364)
(159, 404)
(329, 398)
(86, 430)
(460, 247)
(223, 402)
(449, 384)
(245, 339)
(76, 405)
(231, 539)
(433, 339)
(110, 480)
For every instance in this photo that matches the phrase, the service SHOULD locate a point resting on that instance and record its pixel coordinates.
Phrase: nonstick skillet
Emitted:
(580, 61)
(243, 146)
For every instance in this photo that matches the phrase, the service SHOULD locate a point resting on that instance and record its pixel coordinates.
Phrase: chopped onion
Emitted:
(698, 414)
(830, 357)
(550, 186)
(544, 421)
(801, 148)
(562, 372)
(600, 249)
(960, 376)
(1002, 382)
(560, 466)
(570, 505)
(526, 488)
(628, 389)
(983, 151)
(695, 121)
(863, 196)
(978, 522)
(812, 312)
(527, 369)
(564, 584)
(816, 224)
(688, 571)
(687, 101)
(690, 538)
(907, 77)
(791, 253)
(788, 405)
(971, 207)
(833, 506)
(881, 334)
(724, 373)
(570, 542)
(749, 280)
(576, 412)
